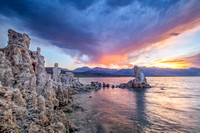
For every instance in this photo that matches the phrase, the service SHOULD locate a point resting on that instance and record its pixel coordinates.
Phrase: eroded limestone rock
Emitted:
(29, 97)
(139, 81)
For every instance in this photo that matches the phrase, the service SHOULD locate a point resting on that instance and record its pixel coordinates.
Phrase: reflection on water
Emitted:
(171, 105)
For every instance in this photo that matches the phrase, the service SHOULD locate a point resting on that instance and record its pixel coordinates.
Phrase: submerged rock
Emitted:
(96, 85)
(104, 85)
(139, 81)
(108, 85)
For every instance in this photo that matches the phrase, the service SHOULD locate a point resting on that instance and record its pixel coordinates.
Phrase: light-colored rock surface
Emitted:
(139, 82)
(30, 99)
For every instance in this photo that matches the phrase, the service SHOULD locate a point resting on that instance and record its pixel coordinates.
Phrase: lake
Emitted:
(171, 105)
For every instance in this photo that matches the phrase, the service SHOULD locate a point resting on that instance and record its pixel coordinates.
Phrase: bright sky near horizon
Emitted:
(108, 33)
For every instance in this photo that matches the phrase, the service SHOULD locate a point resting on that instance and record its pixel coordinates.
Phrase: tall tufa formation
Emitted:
(30, 99)
(139, 81)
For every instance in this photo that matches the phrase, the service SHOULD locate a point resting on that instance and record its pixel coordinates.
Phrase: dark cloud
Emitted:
(79, 4)
(118, 2)
(159, 5)
(47, 21)
(174, 34)
(96, 27)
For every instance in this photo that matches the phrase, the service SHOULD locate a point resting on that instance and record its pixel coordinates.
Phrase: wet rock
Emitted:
(104, 85)
(68, 109)
(130, 84)
(95, 85)
(77, 107)
(108, 85)
(73, 127)
(162, 88)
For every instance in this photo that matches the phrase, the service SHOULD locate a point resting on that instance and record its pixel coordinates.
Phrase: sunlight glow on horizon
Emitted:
(168, 64)
(164, 34)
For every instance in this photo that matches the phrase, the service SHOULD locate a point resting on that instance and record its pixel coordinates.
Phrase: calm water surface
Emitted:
(171, 105)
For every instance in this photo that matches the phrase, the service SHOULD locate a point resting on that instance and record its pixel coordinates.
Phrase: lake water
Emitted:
(171, 105)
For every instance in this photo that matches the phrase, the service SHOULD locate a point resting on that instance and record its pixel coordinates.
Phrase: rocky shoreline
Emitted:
(31, 100)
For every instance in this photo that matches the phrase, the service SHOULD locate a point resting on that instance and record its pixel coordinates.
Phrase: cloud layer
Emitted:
(102, 31)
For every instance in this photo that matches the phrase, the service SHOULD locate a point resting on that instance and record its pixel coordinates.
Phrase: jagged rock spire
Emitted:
(28, 94)
(16, 38)
(140, 80)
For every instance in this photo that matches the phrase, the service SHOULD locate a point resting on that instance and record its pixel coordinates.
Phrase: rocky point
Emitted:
(30, 99)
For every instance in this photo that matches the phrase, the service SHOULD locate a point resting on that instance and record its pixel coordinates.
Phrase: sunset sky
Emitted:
(108, 33)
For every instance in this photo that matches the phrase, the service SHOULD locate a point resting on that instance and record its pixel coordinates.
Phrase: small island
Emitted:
(140, 80)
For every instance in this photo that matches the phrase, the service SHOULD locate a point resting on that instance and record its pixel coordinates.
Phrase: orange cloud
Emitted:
(179, 64)
(128, 53)
(163, 40)
(112, 59)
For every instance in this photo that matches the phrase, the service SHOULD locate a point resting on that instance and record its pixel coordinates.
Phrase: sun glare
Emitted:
(170, 64)
(112, 59)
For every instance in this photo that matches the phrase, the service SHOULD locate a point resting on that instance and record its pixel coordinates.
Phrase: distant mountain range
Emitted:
(149, 71)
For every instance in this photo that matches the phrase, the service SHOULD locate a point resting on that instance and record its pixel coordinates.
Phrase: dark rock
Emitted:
(104, 85)
(108, 85)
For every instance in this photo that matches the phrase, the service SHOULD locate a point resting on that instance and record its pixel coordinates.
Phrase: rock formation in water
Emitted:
(139, 81)
(30, 99)
(104, 85)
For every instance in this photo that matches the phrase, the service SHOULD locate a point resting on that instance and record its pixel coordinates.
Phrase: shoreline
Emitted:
(31, 99)
(128, 76)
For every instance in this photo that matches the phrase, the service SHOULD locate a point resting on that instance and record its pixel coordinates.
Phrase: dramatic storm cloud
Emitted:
(107, 32)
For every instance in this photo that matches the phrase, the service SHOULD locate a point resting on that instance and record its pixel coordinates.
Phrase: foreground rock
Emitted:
(139, 81)
(30, 99)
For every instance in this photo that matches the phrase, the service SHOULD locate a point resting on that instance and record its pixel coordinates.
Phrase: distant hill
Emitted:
(82, 69)
(149, 71)
(81, 73)
(153, 71)
(125, 72)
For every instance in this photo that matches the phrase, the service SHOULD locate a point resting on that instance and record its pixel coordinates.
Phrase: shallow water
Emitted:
(171, 105)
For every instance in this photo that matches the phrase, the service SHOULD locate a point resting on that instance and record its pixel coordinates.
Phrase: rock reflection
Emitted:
(173, 109)
(140, 115)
